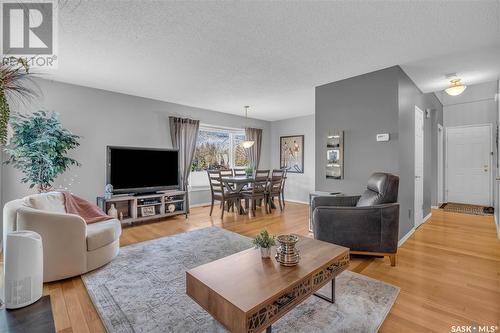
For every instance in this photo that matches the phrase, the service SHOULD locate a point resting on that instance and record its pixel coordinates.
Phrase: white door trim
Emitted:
(440, 166)
(418, 218)
(490, 126)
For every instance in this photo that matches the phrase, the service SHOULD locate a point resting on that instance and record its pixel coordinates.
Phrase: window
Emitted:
(217, 148)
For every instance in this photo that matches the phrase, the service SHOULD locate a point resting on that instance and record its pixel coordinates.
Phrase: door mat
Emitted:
(467, 209)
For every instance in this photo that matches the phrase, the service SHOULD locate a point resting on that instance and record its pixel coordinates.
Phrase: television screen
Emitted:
(142, 169)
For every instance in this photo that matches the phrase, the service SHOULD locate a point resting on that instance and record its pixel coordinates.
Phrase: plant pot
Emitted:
(265, 252)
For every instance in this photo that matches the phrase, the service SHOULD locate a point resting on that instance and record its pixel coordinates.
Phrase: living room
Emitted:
(343, 139)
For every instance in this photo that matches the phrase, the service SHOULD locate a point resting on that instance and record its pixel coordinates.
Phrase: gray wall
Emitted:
(361, 106)
(298, 185)
(476, 105)
(431, 131)
(410, 96)
(106, 118)
(379, 102)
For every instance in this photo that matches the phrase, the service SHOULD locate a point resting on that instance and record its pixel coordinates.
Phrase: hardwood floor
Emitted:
(448, 271)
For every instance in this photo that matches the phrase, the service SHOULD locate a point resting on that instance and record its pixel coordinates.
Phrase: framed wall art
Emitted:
(292, 153)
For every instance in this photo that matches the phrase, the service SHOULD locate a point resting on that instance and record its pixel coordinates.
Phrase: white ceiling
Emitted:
(269, 55)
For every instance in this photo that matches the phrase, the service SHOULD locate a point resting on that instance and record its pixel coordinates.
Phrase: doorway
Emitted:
(469, 164)
(419, 167)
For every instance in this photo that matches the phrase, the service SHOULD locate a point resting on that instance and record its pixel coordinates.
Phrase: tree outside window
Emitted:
(219, 149)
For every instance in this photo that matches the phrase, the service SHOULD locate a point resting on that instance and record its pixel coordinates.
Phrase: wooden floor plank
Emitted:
(448, 271)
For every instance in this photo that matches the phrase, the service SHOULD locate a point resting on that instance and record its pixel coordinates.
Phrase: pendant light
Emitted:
(247, 143)
(456, 88)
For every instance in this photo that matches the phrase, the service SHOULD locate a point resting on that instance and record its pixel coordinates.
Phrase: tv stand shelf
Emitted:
(132, 207)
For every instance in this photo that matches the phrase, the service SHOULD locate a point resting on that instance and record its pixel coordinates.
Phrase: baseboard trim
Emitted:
(434, 207)
(497, 225)
(199, 205)
(427, 217)
(297, 201)
(405, 237)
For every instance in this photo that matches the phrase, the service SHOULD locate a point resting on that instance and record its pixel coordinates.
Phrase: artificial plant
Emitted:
(264, 240)
(39, 148)
(16, 87)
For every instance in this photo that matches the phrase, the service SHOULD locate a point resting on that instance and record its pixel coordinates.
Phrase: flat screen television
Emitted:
(140, 170)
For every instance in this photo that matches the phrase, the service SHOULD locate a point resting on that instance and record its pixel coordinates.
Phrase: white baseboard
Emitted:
(405, 237)
(298, 201)
(427, 217)
(434, 207)
(497, 225)
(200, 204)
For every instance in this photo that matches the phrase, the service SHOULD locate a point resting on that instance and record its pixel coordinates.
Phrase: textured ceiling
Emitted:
(269, 55)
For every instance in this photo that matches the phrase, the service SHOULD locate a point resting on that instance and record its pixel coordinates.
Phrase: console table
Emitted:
(130, 206)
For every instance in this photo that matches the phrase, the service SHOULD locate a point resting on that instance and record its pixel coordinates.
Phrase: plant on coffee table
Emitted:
(264, 241)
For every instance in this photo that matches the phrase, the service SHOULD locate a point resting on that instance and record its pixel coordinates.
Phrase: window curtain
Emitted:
(184, 133)
(254, 134)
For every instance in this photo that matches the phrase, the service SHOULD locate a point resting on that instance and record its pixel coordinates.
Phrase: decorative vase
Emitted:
(286, 253)
(265, 252)
(112, 211)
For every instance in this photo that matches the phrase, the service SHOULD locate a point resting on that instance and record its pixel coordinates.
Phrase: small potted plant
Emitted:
(264, 241)
(249, 171)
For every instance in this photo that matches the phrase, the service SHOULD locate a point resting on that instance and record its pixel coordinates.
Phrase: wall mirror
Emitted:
(335, 155)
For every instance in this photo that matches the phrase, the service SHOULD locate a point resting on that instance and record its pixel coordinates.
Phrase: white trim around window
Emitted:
(198, 180)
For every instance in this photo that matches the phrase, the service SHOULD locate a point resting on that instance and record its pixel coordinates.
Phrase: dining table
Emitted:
(236, 184)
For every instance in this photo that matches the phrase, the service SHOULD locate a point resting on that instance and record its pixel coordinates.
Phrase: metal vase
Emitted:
(265, 252)
(287, 254)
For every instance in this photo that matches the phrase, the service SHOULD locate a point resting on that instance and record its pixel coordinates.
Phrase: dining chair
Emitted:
(275, 188)
(219, 192)
(238, 172)
(285, 173)
(258, 191)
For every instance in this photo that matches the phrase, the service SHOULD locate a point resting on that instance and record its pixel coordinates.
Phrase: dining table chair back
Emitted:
(239, 172)
(218, 191)
(258, 191)
(276, 186)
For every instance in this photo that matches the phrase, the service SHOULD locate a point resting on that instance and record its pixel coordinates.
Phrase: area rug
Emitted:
(467, 209)
(143, 290)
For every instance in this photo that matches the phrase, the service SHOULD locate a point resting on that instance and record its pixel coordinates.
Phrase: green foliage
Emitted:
(4, 117)
(209, 156)
(264, 240)
(15, 84)
(249, 170)
(39, 148)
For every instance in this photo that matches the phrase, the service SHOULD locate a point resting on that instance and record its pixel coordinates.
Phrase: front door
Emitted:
(468, 164)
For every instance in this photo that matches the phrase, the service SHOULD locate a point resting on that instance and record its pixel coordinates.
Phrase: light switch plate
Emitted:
(382, 137)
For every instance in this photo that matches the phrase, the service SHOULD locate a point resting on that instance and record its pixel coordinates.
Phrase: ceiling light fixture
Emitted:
(456, 88)
(247, 143)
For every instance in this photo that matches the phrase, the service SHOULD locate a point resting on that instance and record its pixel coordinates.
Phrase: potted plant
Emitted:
(39, 147)
(16, 87)
(264, 241)
(249, 171)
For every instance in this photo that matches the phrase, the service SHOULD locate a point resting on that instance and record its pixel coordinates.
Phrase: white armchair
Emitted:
(70, 246)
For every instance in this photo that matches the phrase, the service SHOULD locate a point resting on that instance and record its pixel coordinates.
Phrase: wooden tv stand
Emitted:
(131, 205)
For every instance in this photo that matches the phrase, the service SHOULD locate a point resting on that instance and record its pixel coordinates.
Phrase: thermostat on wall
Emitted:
(382, 137)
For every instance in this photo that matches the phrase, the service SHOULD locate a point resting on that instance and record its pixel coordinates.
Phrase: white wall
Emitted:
(297, 186)
(104, 118)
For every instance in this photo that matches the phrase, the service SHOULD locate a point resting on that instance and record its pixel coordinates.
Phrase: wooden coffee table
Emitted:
(246, 293)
